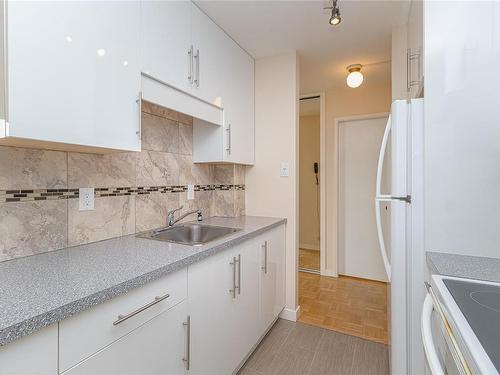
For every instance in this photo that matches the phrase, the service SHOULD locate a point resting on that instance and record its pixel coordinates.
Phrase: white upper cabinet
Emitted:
(238, 94)
(210, 50)
(166, 42)
(73, 74)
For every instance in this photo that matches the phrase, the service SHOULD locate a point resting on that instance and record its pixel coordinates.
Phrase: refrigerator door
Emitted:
(379, 198)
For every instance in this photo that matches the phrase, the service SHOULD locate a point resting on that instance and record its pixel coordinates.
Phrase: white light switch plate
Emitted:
(190, 192)
(86, 199)
(284, 170)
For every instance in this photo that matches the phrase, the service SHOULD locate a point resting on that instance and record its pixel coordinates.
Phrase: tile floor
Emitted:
(345, 304)
(300, 349)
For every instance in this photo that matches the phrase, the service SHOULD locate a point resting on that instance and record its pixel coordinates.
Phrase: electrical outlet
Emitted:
(190, 192)
(86, 199)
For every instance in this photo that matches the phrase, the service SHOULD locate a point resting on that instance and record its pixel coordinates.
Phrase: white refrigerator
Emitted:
(403, 253)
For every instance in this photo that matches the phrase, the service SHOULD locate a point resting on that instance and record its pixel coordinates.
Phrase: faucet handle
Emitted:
(200, 215)
(170, 216)
(171, 212)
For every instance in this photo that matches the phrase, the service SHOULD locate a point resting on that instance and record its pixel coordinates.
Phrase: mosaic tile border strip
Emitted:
(27, 195)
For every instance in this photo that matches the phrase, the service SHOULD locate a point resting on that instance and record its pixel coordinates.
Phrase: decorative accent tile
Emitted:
(112, 217)
(87, 170)
(159, 134)
(28, 228)
(22, 167)
(57, 194)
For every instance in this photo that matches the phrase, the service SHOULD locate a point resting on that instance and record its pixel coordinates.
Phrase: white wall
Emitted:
(462, 127)
(308, 189)
(276, 141)
(343, 102)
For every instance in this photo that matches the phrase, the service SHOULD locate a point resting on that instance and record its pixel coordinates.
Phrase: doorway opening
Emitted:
(311, 256)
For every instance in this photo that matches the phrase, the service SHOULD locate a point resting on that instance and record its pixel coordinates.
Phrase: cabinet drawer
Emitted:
(84, 334)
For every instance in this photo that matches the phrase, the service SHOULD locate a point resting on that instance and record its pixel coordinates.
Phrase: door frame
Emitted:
(322, 178)
(336, 176)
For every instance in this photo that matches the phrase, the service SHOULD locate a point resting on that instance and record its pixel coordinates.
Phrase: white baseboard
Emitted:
(308, 246)
(290, 314)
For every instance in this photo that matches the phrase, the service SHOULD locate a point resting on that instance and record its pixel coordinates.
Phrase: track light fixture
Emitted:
(335, 18)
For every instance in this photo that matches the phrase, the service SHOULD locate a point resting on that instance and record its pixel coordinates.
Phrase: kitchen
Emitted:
(149, 185)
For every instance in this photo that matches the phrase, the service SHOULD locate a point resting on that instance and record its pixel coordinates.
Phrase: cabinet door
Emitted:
(166, 40)
(157, 347)
(74, 72)
(415, 46)
(213, 312)
(238, 103)
(272, 293)
(211, 47)
(224, 328)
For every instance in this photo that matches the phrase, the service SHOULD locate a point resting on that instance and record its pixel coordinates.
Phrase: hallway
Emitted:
(348, 305)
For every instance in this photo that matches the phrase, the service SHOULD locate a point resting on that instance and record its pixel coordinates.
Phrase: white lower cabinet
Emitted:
(201, 320)
(226, 326)
(157, 347)
(272, 285)
(35, 354)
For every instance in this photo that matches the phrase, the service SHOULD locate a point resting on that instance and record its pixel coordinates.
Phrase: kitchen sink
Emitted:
(189, 234)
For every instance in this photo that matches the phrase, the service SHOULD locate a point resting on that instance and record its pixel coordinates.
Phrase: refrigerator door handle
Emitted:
(379, 197)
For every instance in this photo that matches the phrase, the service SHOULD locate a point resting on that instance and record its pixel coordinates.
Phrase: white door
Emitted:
(359, 146)
(166, 42)
(74, 72)
(156, 348)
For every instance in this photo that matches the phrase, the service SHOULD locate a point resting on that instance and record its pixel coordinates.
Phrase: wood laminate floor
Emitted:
(309, 259)
(345, 304)
(301, 349)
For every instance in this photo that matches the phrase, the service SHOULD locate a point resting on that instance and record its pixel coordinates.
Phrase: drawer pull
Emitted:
(122, 318)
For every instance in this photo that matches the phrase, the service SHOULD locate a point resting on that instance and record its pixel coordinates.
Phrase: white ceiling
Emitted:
(267, 28)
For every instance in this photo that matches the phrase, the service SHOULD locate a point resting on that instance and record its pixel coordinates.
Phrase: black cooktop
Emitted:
(480, 304)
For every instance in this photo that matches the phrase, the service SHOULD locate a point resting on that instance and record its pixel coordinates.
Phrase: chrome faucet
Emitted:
(171, 220)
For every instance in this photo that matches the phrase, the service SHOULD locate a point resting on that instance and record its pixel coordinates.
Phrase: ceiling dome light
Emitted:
(335, 19)
(355, 77)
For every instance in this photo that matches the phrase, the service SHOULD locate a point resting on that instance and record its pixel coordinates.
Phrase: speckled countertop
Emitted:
(471, 267)
(40, 290)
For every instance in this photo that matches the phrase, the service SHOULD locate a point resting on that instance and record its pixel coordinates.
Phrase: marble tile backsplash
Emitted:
(31, 227)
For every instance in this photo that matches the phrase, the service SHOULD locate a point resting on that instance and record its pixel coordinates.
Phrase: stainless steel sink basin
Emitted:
(189, 234)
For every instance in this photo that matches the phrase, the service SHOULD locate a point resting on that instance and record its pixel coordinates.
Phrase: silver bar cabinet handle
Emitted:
(265, 257)
(187, 357)
(228, 148)
(233, 291)
(239, 273)
(122, 318)
(190, 55)
(197, 76)
(139, 103)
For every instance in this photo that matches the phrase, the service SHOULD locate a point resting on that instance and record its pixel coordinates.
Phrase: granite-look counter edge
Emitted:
(43, 289)
(470, 267)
